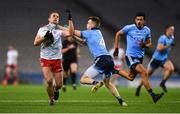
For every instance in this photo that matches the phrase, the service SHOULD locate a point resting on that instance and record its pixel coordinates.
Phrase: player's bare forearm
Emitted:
(117, 37)
(77, 33)
(64, 50)
(61, 27)
(162, 47)
(38, 40)
(116, 40)
(81, 41)
(148, 44)
(71, 27)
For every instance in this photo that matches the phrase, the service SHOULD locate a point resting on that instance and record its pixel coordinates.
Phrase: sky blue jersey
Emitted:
(166, 41)
(95, 42)
(134, 37)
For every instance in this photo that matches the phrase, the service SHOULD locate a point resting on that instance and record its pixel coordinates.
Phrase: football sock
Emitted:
(151, 92)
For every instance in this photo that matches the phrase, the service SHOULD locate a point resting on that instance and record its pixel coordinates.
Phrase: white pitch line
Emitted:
(72, 101)
(42, 101)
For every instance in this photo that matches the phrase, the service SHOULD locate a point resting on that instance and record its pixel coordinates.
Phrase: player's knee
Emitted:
(59, 86)
(131, 77)
(82, 80)
(49, 82)
(144, 74)
(107, 84)
(73, 70)
(170, 69)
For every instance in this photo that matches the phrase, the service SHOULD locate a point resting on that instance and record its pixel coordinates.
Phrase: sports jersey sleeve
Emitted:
(84, 34)
(161, 40)
(41, 32)
(148, 34)
(125, 29)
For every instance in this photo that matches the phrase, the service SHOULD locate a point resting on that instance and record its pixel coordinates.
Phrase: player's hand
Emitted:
(116, 52)
(48, 38)
(173, 44)
(142, 44)
(71, 46)
(69, 14)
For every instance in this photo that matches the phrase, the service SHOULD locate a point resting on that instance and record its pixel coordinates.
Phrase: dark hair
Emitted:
(96, 20)
(168, 25)
(140, 14)
(53, 11)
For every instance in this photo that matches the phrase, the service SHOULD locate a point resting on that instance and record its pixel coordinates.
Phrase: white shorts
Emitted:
(92, 72)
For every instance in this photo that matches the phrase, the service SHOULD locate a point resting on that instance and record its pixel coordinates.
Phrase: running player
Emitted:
(138, 38)
(50, 55)
(11, 66)
(160, 57)
(103, 62)
(70, 52)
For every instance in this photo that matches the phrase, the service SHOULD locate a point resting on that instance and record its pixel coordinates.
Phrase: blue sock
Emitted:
(151, 92)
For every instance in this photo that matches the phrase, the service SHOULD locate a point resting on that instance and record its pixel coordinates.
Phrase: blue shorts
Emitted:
(105, 64)
(133, 61)
(154, 63)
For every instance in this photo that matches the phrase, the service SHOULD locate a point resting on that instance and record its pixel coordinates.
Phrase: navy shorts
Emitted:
(154, 63)
(133, 61)
(105, 64)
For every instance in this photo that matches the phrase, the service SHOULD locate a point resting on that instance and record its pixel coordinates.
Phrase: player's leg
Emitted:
(15, 75)
(114, 91)
(88, 75)
(65, 76)
(6, 75)
(58, 76)
(114, 79)
(130, 75)
(66, 68)
(73, 70)
(150, 69)
(49, 83)
(168, 70)
(138, 89)
(144, 76)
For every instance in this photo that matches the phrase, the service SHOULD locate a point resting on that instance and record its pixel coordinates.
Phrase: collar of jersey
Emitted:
(95, 28)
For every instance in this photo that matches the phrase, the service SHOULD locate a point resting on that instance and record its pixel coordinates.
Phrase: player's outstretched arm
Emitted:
(116, 42)
(77, 33)
(80, 41)
(162, 47)
(70, 30)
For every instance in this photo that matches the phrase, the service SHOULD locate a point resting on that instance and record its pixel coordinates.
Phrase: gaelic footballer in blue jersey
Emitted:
(160, 57)
(103, 62)
(138, 38)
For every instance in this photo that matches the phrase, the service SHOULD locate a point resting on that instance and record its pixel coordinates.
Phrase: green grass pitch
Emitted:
(33, 99)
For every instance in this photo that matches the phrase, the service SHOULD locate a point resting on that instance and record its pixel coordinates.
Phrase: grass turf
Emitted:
(33, 99)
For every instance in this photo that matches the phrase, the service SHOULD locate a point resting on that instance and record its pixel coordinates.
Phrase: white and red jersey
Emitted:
(117, 61)
(54, 50)
(12, 56)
